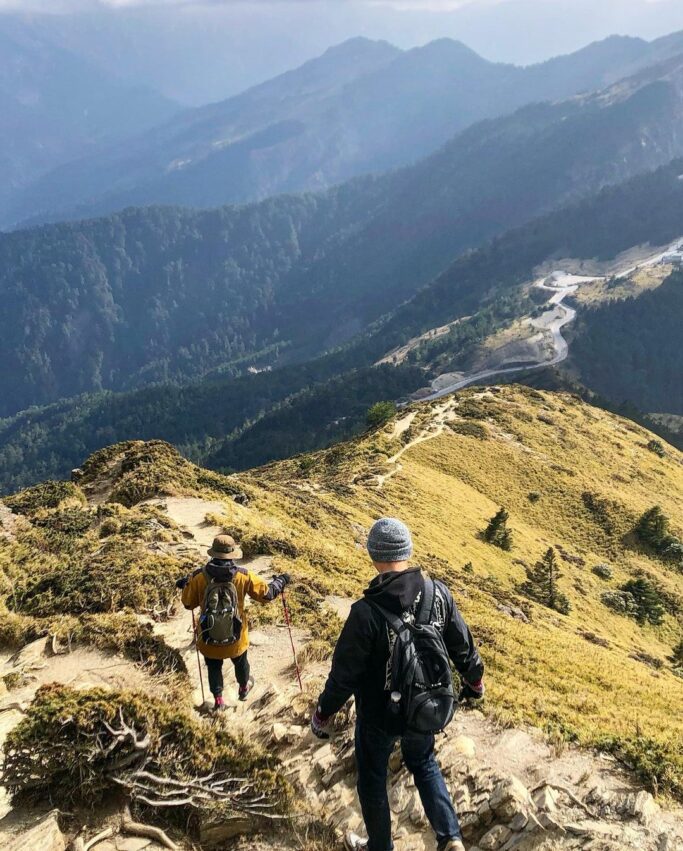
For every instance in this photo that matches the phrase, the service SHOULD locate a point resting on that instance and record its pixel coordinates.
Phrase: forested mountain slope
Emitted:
(152, 294)
(632, 350)
(236, 422)
(362, 106)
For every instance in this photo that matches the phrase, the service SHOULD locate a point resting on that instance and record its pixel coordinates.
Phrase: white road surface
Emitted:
(553, 320)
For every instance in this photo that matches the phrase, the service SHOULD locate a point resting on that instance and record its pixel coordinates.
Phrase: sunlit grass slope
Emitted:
(539, 455)
(571, 476)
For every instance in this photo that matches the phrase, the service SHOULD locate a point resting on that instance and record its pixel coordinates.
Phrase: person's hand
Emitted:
(286, 579)
(320, 725)
(472, 691)
(182, 582)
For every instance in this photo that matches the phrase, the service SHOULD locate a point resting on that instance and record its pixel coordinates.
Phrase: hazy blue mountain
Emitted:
(362, 107)
(55, 107)
(159, 294)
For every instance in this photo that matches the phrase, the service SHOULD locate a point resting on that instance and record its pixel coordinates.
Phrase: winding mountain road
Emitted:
(553, 321)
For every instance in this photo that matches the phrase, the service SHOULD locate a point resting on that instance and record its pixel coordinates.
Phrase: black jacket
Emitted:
(361, 657)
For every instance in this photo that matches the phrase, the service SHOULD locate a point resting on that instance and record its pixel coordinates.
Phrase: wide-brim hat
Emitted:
(226, 548)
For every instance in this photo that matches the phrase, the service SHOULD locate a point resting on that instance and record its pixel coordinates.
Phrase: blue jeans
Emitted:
(373, 749)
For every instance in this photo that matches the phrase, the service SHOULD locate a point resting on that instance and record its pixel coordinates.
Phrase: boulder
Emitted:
(545, 800)
(45, 836)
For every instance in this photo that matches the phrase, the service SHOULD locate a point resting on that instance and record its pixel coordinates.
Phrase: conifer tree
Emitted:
(541, 584)
(648, 602)
(653, 527)
(497, 532)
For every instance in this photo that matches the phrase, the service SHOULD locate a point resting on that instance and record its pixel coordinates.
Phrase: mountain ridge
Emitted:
(367, 124)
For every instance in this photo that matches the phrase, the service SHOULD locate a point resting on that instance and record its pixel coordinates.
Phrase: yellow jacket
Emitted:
(245, 582)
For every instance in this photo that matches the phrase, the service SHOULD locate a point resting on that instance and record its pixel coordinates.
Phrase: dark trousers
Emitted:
(373, 749)
(215, 669)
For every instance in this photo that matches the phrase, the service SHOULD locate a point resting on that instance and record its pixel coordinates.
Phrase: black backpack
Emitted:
(420, 698)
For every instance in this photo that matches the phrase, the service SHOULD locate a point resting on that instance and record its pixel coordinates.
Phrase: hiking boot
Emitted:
(219, 704)
(452, 845)
(353, 842)
(244, 690)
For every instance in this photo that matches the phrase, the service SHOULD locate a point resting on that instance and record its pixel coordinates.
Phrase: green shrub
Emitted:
(470, 429)
(604, 571)
(657, 447)
(46, 495)
(653, 530)
(497, 532)
(648, 602)
(620, 602)
(379, 414)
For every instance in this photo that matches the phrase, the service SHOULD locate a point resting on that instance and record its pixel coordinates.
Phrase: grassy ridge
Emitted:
(571, 476)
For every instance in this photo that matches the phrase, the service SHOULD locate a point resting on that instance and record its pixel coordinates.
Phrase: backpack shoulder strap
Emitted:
(394, 621)
(424, 614)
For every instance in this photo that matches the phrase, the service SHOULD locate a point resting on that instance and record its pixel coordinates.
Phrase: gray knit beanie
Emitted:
(390, 540)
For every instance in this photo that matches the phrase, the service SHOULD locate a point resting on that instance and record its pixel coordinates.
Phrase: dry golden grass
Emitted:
(509, 443)
(543, 672)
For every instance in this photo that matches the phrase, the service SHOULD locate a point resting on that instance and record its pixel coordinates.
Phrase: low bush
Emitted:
(604, 571)
(121, 574)
(42, 496)
(72, 746)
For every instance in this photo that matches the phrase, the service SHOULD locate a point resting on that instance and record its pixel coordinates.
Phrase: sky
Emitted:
(241, 42)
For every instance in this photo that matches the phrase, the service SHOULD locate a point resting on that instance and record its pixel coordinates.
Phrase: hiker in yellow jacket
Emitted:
(219, 589)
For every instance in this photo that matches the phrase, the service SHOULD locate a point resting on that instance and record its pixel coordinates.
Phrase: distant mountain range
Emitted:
(362, 107)
(159, 294)
(56, 107)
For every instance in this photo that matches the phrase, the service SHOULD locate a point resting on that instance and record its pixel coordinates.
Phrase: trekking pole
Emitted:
(199, 664)
(291, 637)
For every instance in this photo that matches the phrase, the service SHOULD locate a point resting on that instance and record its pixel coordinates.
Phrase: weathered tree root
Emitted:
(136, 828)
(79, 844)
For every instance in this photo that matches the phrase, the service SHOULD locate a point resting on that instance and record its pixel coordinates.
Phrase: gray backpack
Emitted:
(219, 621)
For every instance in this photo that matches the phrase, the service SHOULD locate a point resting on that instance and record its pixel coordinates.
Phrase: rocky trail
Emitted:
(513, 789)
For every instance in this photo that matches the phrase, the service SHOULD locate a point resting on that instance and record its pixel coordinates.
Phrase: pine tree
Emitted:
(648, 602)
(497, 532)
(653, 527)
(541, 584)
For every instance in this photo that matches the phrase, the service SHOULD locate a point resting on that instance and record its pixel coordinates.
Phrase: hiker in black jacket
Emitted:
(361, 667)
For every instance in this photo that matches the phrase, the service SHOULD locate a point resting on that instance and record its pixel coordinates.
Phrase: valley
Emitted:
(537, 342)
(397, 304)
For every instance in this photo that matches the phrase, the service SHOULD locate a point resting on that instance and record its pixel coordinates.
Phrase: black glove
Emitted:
(472, 691)
(285, 578)
(182, 582)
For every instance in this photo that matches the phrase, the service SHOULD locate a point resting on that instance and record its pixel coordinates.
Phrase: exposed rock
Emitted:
(545, 801)
(495, 838)
(465, 746)
(512, 612)
(45, 836)
(215, 833)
